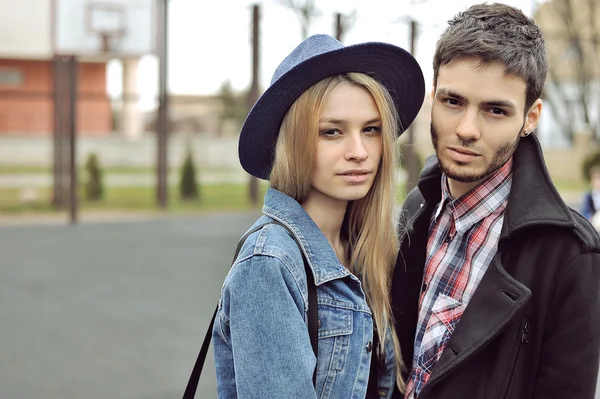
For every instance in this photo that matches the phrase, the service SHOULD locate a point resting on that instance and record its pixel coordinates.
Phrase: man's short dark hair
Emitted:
(496, 33)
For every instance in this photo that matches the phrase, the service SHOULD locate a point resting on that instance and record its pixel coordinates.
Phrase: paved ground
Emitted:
(110, 310)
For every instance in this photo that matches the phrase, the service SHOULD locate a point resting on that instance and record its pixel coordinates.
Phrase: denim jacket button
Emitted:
(369, 346)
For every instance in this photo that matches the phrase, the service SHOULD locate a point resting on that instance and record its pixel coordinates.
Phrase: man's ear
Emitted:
(532, 119)
(432, 91)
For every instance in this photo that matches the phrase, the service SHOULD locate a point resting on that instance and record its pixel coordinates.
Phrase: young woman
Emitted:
(323, 134)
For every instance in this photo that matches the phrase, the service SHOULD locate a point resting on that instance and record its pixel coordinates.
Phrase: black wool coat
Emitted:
(532, 327)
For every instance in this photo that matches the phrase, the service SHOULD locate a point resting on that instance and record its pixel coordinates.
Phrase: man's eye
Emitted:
(452, 101)
(497, 111)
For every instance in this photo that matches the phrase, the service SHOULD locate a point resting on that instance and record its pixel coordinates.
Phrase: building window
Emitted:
(11, 77)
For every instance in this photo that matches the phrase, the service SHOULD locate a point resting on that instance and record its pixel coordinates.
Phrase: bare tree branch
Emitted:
(555, 95)
(571, 30)
(344, 22)
(305, 10)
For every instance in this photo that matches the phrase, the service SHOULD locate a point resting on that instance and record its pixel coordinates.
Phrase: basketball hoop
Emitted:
(109, 39)
(108, 21)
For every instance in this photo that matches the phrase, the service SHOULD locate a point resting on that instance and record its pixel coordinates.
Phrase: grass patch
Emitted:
(571, 185)
(24, 170)
(108, 170)
(41, 170)
(213, 197)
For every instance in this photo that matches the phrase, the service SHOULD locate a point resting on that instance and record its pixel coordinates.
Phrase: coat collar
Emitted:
(315, 246)
(533, 199)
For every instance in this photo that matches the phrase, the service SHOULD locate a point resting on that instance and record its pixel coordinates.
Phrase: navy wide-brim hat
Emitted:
(316, 58)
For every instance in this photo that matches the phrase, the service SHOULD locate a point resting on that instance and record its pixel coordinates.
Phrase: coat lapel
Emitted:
(495, 302)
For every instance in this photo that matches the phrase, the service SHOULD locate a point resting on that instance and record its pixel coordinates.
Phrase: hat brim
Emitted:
(393, 67)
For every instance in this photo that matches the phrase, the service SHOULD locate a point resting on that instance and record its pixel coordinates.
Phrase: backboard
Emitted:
(104, 29)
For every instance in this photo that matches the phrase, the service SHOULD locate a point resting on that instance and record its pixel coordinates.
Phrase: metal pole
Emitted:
(57, 201)
(162, 126)
(410, 153)
(253, 95)
(72, 111)
(339, 29)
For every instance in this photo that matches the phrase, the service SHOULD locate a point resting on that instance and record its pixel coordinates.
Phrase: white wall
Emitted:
(210, 151)
(25, 29)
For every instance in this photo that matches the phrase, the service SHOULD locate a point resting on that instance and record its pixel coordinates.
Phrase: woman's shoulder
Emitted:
(268, 238)
(269, 245)
(265, 268)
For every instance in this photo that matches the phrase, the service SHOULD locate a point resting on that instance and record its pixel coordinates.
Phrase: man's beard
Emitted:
(502, 155)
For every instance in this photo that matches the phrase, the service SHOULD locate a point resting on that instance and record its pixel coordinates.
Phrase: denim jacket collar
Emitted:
(315, 246)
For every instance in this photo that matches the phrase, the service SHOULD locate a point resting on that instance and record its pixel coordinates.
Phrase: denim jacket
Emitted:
(260, 337)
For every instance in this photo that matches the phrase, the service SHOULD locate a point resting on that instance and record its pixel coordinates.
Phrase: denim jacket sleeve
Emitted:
(387, 377)
(262, 346)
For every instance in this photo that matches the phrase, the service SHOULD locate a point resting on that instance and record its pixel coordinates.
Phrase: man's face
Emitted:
(476, 120)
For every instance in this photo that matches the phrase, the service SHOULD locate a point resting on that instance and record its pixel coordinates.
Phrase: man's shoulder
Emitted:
(576, 237)
(411, 205)
(413, 201)
(585, 232)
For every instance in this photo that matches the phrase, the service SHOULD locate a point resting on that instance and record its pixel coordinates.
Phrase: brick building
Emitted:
(32, 32)
(26, 98)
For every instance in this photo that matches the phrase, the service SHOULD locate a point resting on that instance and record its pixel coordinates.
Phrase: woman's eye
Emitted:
(330, 133)
(373, 130)
(452, 101)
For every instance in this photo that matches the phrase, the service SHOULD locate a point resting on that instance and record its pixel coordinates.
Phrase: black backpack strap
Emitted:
(313, 309)
(313, 318)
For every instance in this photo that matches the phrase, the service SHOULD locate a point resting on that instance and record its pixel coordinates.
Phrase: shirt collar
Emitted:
(487, 198)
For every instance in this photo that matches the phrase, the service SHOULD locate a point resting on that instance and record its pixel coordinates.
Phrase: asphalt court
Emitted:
(111, 310)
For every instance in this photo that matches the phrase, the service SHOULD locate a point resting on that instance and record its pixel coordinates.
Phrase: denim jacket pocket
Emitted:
(335, 328)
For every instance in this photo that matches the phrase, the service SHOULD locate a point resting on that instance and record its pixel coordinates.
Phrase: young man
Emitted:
(496, 290)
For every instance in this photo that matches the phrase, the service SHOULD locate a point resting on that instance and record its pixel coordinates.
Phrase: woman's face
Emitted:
(349, 147)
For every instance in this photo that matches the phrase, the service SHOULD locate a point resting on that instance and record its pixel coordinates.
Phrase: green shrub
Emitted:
(94, 188)
(188, 187)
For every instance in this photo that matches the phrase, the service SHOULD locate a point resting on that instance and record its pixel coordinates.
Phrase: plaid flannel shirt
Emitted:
(463, 238)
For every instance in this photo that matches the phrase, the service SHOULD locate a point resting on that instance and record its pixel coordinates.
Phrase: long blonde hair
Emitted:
(369, 223)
